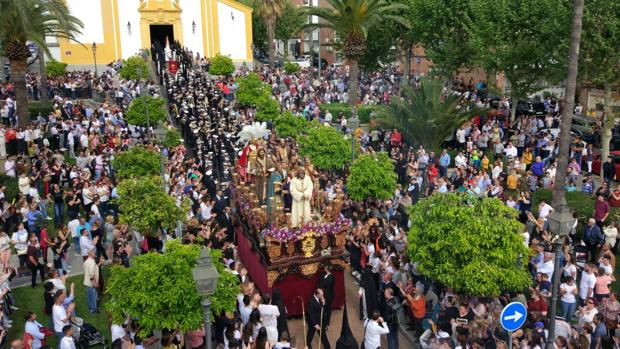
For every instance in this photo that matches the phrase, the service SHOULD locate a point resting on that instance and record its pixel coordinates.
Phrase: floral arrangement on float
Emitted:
(285, 234)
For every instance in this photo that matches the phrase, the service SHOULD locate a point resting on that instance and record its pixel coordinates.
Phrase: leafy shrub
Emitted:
(145, 206)
(55, 68)
(326, 147)
(291, 67)
(250, 90)
(472, 247)
(36, 107)
(11, 189)
(136, 115)
(136, 162)
(172, 138)
(134, 68)
(371, 176)
(267, 108)
(363, 112)
(289, 125)
(221, 65)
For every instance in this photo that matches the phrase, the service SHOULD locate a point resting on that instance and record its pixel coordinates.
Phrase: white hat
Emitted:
(442, 335)
(209, 172)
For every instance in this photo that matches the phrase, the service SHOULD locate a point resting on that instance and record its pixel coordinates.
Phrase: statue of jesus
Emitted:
(301, 190)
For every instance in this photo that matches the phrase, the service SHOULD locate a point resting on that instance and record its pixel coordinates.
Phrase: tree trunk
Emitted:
(608, 123)
(18, 75)
(569, 104)
(407, 65)
(270, 40)
(513, 106)
(353, 81)
(43, 73)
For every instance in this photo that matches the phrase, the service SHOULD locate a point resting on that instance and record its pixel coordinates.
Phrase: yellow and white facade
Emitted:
(120, 28)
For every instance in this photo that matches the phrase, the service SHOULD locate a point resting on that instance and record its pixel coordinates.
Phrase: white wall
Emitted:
(128, 12)
(192, 13)
(89, 12)
(232, 32)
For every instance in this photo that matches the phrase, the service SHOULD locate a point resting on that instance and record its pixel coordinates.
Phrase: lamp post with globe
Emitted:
(205, 276)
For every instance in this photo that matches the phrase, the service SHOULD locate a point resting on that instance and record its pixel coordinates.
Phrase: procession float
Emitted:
(285, 233)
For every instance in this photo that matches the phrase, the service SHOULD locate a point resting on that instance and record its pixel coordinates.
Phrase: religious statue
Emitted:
(260, 168)
(274, 191)
(301, 190)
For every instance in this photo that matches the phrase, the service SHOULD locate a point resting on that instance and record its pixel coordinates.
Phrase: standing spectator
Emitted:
(609, 171)
(568, 292)
(35, 329)
(374, 328)
(593, 238)
(34, 260)
(91, 280)
(390, 314)
(61, 315)
(444, 162)
(601, 210)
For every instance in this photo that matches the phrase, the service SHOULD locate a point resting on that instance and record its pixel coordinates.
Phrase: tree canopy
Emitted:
(137, 115)
(326, 147)
(371, 176)
(475, 248)
(134, 68)
(146, 207)
(221, 65)
(136, 162)
(425, 115)
(289, 125)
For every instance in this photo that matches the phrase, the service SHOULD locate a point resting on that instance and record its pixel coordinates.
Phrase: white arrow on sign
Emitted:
(515, 317)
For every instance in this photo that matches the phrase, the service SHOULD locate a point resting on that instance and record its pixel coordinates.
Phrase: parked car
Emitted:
(596, 162)
(584, 126)
(539, 108)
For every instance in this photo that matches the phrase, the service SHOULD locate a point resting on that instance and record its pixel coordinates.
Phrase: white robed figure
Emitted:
(301, 190)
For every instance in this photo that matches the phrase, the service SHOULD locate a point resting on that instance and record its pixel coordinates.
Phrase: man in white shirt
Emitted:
(460, 160)
(67, 340)
(86, 244)
(72, 227)
(60, 315)
(544, 209)
(586, 284)
(546, 267)
(511, 151)
(374, 328)
(33, 327)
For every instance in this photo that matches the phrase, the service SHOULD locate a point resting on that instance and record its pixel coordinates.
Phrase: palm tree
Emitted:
(351, 20)
(426, 115)
(31, 20)
(270, 10)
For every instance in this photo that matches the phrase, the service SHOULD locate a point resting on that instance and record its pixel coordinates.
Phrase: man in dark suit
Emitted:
(220, 203)
(224, 220)
(326, 283)
(314, 312)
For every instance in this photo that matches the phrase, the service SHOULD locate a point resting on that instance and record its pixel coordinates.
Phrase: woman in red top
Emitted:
(614, 198)
(537, 304)
(432, 173)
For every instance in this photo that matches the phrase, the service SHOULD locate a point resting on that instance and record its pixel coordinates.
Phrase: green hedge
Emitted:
(579, 202)
(11, 190)
(34, 108)
(363, 112)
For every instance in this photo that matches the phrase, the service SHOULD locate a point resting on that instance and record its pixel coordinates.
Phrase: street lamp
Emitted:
(94, 48)
(206, 276)
(560, 223)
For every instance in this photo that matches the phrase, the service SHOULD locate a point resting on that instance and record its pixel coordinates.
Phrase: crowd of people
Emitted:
(490, 156)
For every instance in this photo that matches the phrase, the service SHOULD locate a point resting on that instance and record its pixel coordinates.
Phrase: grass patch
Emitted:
(31, 299)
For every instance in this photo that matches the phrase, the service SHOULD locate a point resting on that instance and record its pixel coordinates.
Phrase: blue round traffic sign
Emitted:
(513, 316)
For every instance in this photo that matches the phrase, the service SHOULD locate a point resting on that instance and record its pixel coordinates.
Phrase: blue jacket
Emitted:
(592, 235)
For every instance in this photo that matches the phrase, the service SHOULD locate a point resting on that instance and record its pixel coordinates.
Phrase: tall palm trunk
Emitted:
(608, 123)
(18, 75)
(354, 72)
(271, 35)
(43, 73)
(569, 104)
(407, 65)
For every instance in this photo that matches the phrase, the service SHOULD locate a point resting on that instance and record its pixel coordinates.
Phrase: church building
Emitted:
(118, 29)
